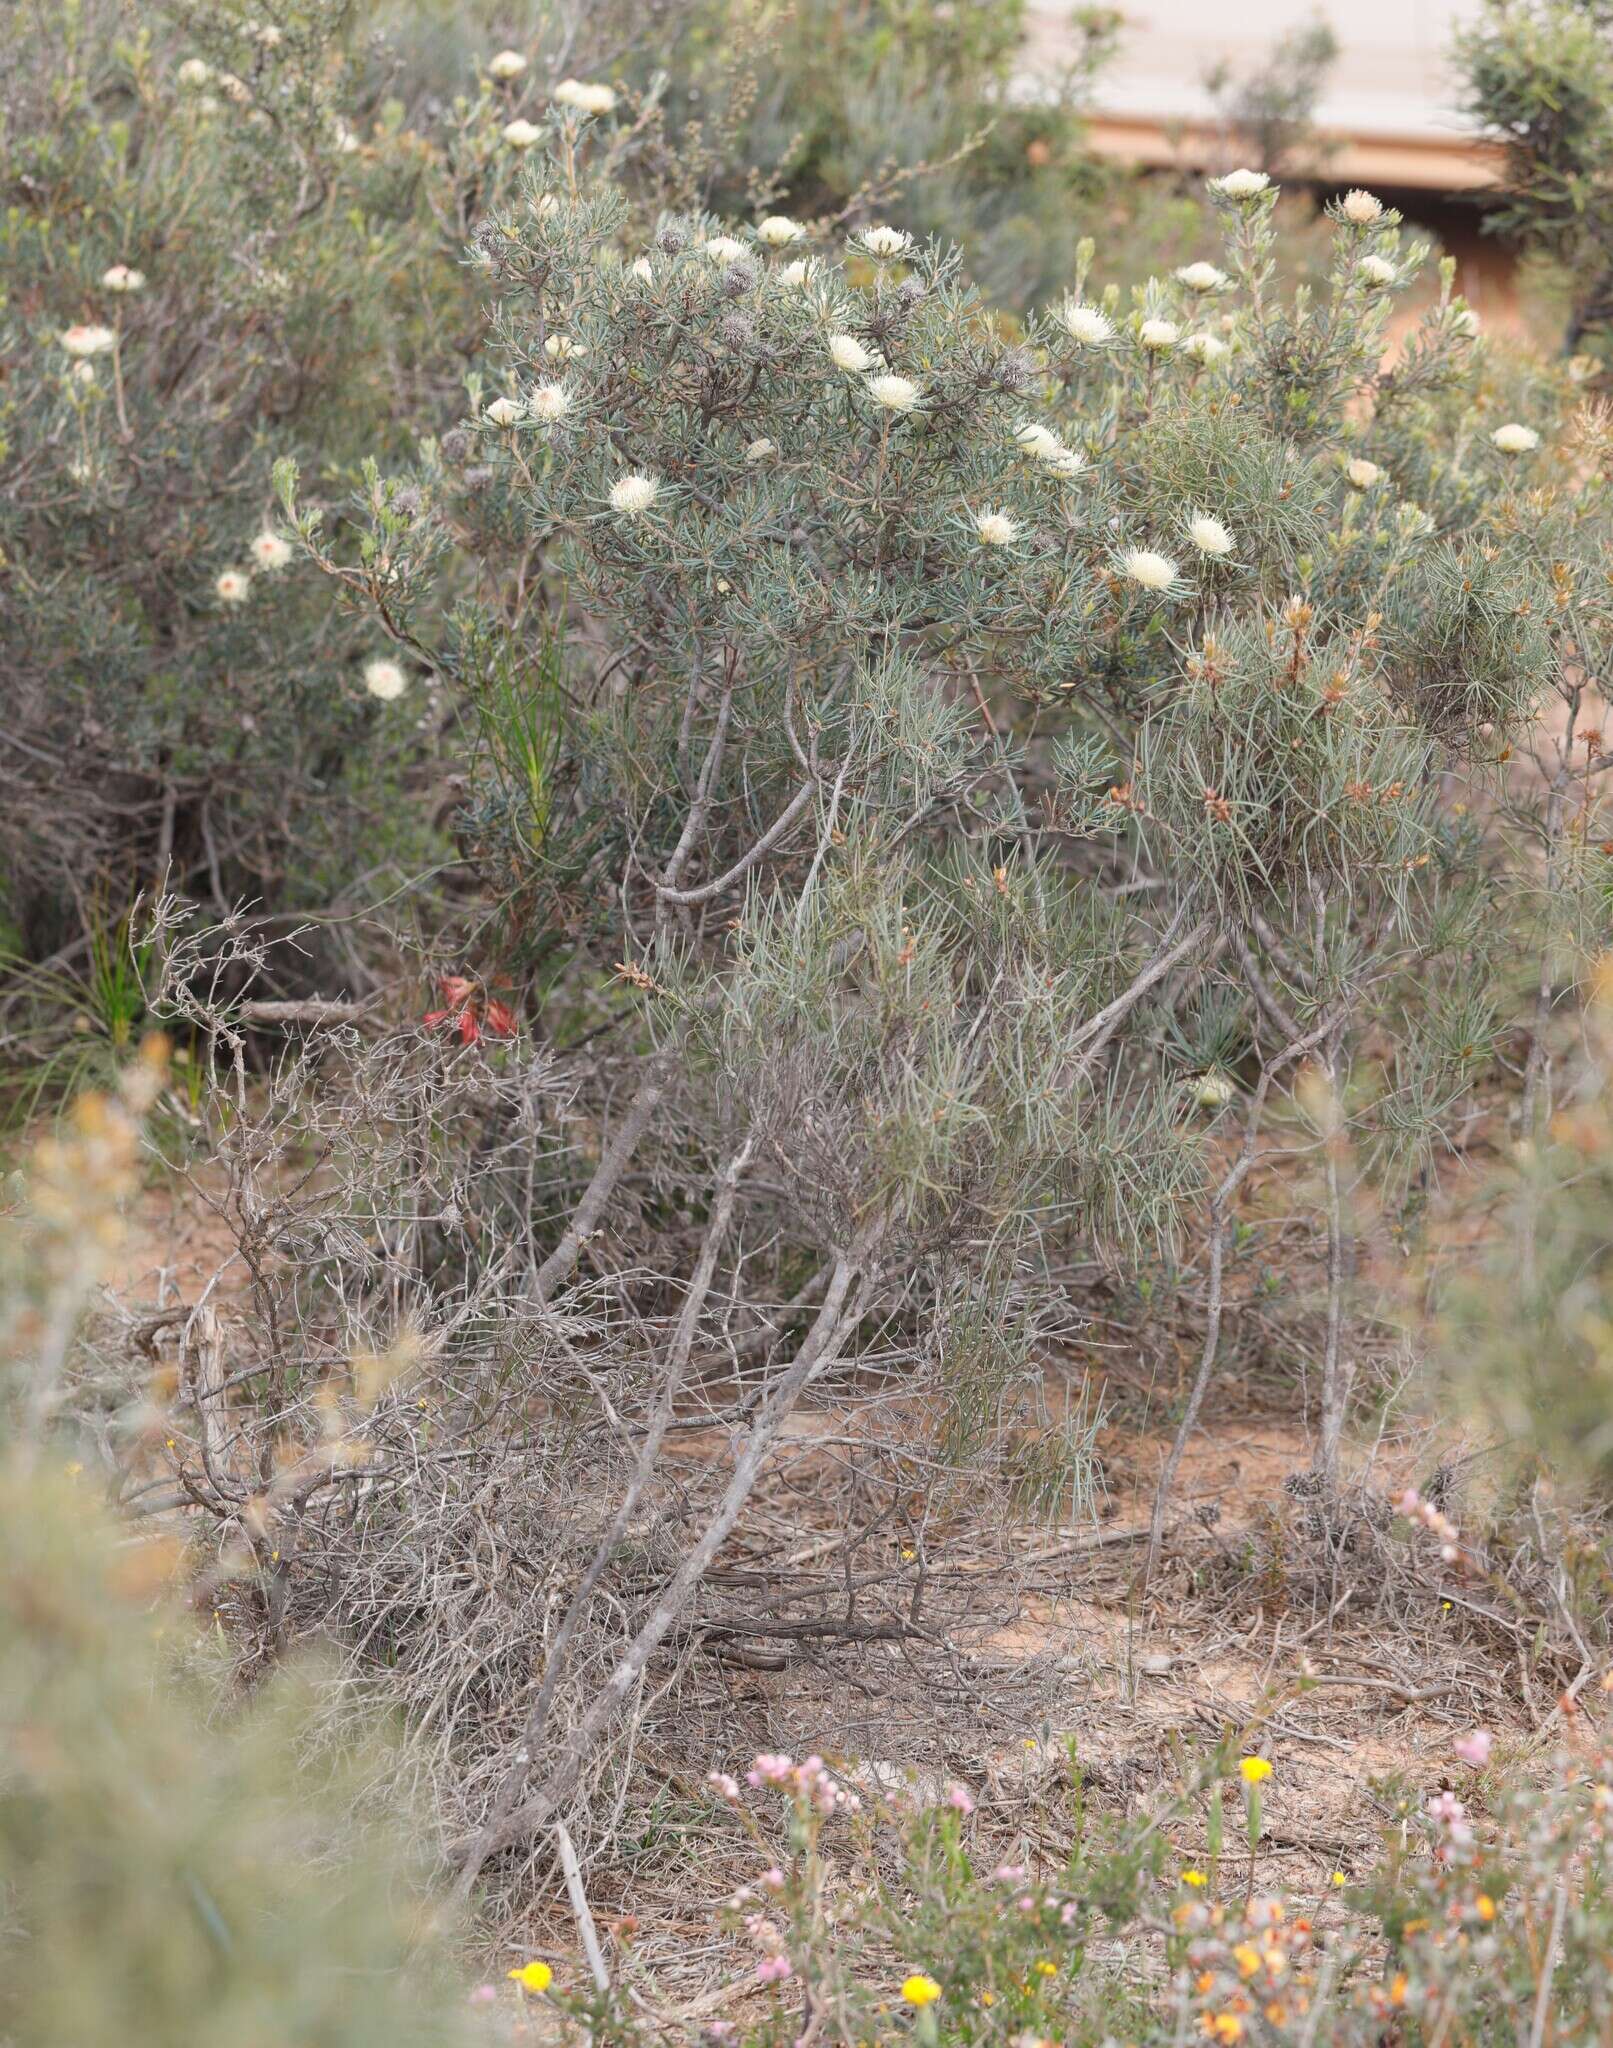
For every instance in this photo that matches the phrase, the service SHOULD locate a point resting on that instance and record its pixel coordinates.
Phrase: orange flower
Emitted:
(1247, 1958)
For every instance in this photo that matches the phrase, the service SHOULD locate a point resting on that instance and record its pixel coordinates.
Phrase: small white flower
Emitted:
(847, 353)
(778, 231)
(633, 495)
(1085, 324)
(795, 274)
(87, 341)
(507, 64)
(560, 348)
(521, 134)
(1158, 334)
(1152, 571)
(642, 269)
(1202, 277)
(723, 248)
(996, 529)
(1208, 535)
(760, 450)
(1412, 519)
(1361, 473)
(1515, 439)
(896, 394)
(1204, 348)
(1038, 441)
(266, 35)
(83, 373)
(504, 412)
(384, 679)
(1214, 1090)
(1066, 462)
(122, 277)
(1241, 184)
(546, 206)
(585, 98)
(885, 243)
(194, 74)
(1360, 208)
(1377, 270)
(269, 551)
(549, 403)
(232, 587)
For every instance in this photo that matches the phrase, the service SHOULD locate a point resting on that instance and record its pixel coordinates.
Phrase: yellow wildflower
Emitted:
(533, 1977)
(1247, 1958)
(1254, 1769)
(920, 1990)
(1195, 1878)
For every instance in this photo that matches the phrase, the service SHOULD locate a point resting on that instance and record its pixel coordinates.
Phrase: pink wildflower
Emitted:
(1474, 1749)
(774, 1970)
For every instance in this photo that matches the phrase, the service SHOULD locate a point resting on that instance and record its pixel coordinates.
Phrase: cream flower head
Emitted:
(1515, 439)
(123, 277)
(642, 268)
(885, 243)
(1158, 334)
(896, 394)
(1208, 534)
(759, 450)
(504, 412)
(1377, 270)
(1202, 277)
(1361, 473)
(1065, 462)
(384, 679)
(996, 529)
(269, 551)
(521, 134)
(1360, 208)
(1151, 570)
(232, 586)
(506, 65)
(847, 353)
(778, 231)
(1204, 348)
(585, 98)
(86, 341)
(634, 495)
(193, 74)
(722, 248)
(795, 274)
(549, 403)
(560, 348)
(1241, 184)
(1085, 324)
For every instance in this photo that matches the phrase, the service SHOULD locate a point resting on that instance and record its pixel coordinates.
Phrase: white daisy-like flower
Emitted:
(1208, 534)
(1153, 571)
(795, 274)
(722, 248)
(87, 341)
(506, 65)
(560, 348)
(1360, 208)
(847, 353)
(634, 495)
(778, 231)
(1085, 324)
(504, 412)
(1241, 184)
(521, 134)
(896, 394)
(269, 551)
(759, 450)
(1515, 438)
(549, 403)
(1158, 334)
(1204, 348)
(996, 529)
(1377, 270)
(193, 74)
(1039, 442)
(585, 98)
(384, 679)
(123, 277)
(642, 269)
(232, 586)
(1361, 473)
(883, 242)
(1202, 277)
